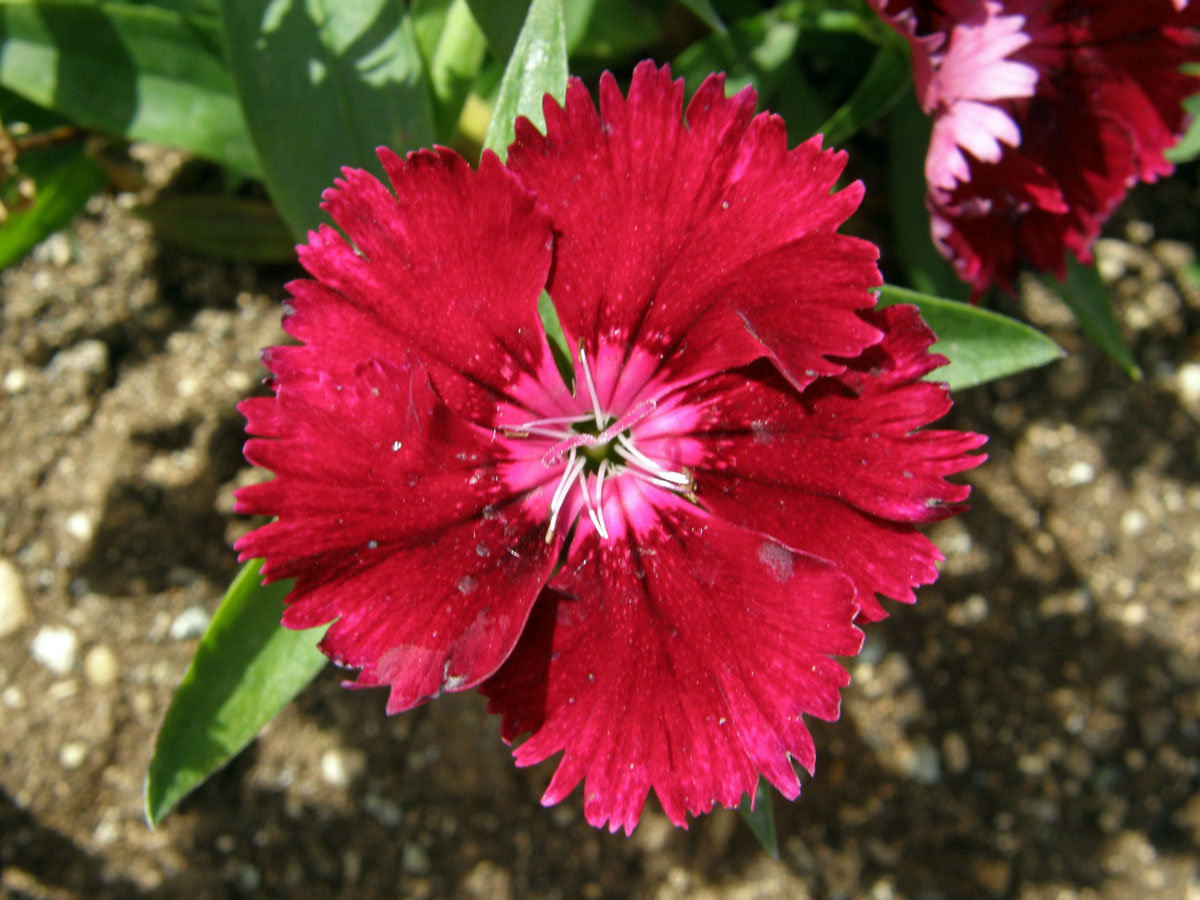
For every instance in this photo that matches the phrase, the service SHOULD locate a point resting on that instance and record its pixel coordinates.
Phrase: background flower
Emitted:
(1045, 114)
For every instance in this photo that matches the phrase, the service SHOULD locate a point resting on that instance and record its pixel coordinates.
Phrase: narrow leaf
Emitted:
(246, 669)
(501, 23)
(760, 816)
(981, 345)
(706, 13)
(1188, 147)
(615, 29)
(221, 226)
(323, 84)
(1085, 292)
(538, 66)
(880, 90)
(453, 49)
(142, 72)
(62, 190)
(759, 50)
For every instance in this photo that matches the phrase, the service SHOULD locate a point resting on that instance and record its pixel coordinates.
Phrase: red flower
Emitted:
(1045, 114)
(650, 571)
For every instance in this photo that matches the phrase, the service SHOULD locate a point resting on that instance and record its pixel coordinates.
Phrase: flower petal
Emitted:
(394, 519)
(450, 267)
(686, 240)
(679, 658)
(840, 471)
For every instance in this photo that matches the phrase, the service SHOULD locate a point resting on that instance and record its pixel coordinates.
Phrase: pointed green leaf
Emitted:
(880, 90)
(1085, 293)
(452, 48)
(706, 13)
(246, 669)
(1188, 147)
(322, 84)
(501, 23)
(759, 50)
(761, 818)
(614, 29)
(64, 181)
(538, 66)
(143, 72)
(981, 345)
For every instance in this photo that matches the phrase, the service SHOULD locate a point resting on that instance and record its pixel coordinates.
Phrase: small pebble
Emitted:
(13, 698)
(955, 753)
(15, 381)
(972, 611)
(1080, 472)
(1134, 522)
(14, 610)
(55, 646)
(100, 666)
(1187, 383)
(72, 754)
(189, 624)
(386, 812)
(79, 526)
(339, 767)
(86, 362)
(924, 765)
(414, 860)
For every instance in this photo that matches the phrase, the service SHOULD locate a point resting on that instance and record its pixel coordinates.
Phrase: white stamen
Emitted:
(597, 519)
(574, 466)
(627, 451)
(556, 420)
(601, 418)
(558, 434)
(661, 482)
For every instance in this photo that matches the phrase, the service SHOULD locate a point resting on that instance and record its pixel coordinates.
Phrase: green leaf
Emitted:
(559, 348)
(538, 66)
(453, 49)
(323, 83)
(615, 28)
(1085, 293)
(758, 50)
(880, 90)
(761, 818)
(246, 669)
(706, 13)
(64, 181)
(926, 268)
(981, 345)
(143, 72)
(501, 23)
(221, 226)
(1188, 147)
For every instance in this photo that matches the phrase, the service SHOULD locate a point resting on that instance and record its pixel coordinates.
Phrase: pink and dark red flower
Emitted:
(1044, 115)
(651, 566)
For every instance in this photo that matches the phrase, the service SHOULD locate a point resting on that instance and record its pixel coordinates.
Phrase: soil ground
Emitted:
(1030, 729)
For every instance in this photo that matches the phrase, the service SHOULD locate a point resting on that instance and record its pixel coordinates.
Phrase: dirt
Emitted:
(1031, 729)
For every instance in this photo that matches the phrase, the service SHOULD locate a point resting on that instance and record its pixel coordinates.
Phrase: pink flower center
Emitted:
(593, 447)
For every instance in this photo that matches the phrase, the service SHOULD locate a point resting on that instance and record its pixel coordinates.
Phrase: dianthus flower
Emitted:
(1044, 115)
(651, 569)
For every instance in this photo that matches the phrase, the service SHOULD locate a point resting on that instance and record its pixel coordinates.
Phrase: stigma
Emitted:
(595, 447)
